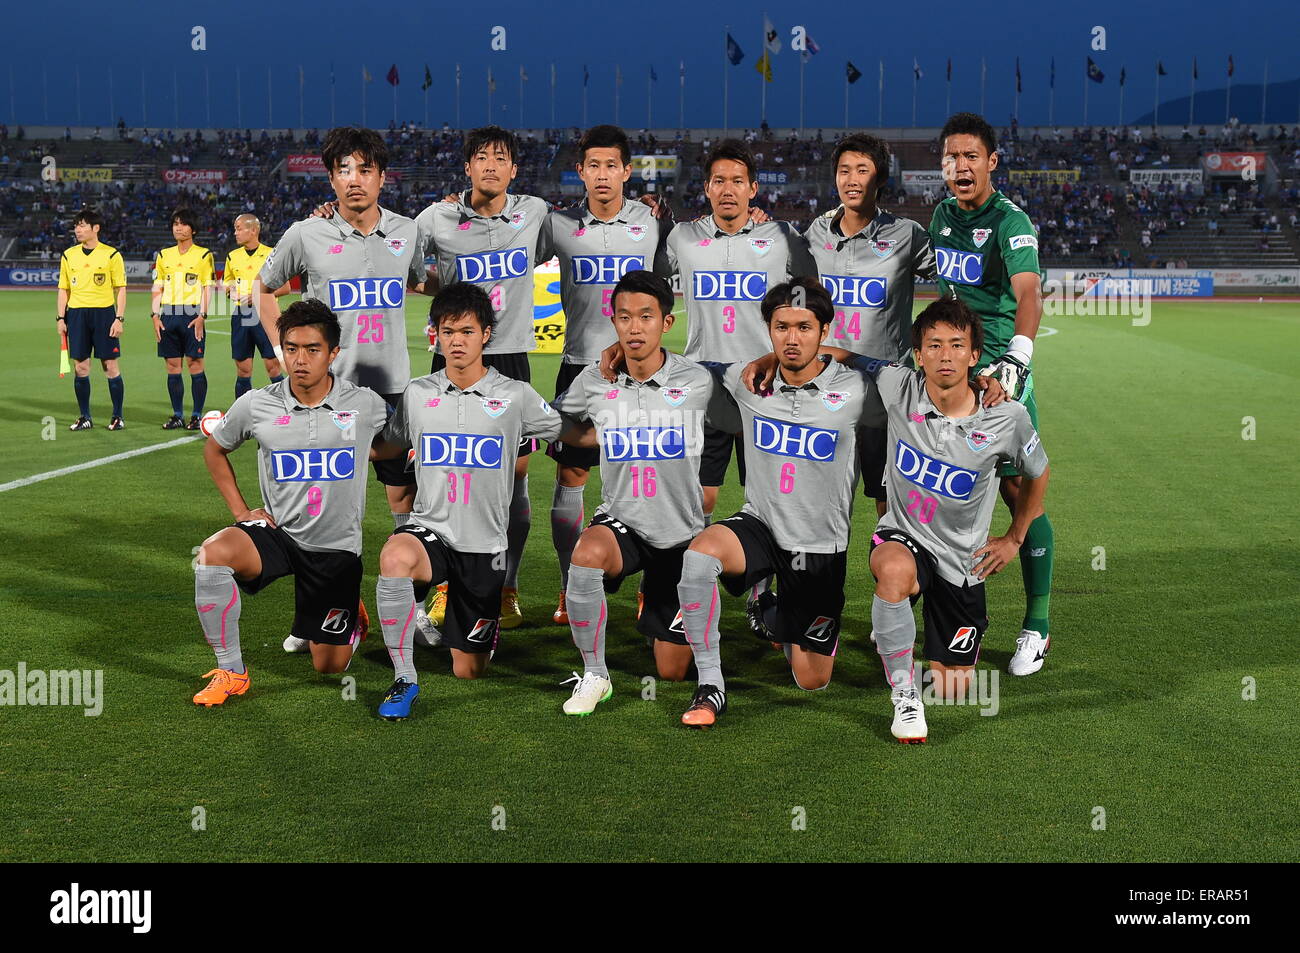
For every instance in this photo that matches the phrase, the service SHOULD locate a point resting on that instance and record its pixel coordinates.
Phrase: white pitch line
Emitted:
(64, 471)
(1046, 332)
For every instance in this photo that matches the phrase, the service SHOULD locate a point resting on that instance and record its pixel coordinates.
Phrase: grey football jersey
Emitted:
(363, 279)
(801, 454)
(942, 473)
(594, 255)
(466, 442)
(651, 436)
(496, 253)
(724, 279)
(870, 278)
(311, 461)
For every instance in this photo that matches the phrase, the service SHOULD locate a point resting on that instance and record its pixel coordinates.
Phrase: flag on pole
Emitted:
(852, 73)
(1019, 88)
(654, 77)
(428, 78)
(64, 366)
(492, 83)
(1094, 72)
(1231, 68)
(365, 76)
(681, 70)
(771, 39)
(811, 50)
(523, 77)
(585, 75)
(1160, 69)
(734, 52)
(764, 66)
(950, 69)
(1051, 82)
(1122, 75)
(916, 69)
(392, 77)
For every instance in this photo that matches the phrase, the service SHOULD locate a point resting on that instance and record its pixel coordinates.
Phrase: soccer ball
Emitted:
(210, 421)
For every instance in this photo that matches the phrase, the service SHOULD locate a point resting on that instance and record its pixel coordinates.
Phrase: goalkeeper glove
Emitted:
(1012, 368)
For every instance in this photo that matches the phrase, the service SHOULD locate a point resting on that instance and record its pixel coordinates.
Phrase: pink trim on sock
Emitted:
(595, 649)
(401, 642)
(234, 594)
(708, 623)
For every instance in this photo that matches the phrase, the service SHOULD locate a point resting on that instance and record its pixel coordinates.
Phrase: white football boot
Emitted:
(591, 689)
(293, 644)
(1031, 649)
(426, 633)
(909, 717)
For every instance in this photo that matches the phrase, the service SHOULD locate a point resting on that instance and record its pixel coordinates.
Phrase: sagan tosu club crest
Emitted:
(636, 232)
(674, 396)
(343, 419)
(760, 245)
(980, 235)
(517, 220)
(979, 440)
(396, 245)
(835, 399)
(495, 406)
(883, 246)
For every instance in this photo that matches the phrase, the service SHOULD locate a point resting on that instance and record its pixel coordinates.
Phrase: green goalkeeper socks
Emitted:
(1036, 568)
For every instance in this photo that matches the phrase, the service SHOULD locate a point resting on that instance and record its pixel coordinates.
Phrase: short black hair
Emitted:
(605, 137)
(871, 147)
(90, 216)
(478, 139)
(969, 124)
(731, 149)
(459, 298)
(953, 312)
(645, 283)
(185, 215)
(803, 292)
(310, 312)
(343, 141)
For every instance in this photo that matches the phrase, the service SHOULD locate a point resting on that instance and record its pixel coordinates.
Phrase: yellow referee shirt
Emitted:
(92, 277)
(183, 277)
(242, 266)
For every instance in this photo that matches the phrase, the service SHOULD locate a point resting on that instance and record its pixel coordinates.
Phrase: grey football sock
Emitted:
(521, 520)
(216, 597)
(566, 524)
(895, 629)
(698, 594)
(588, 613)
(395, 601)
(400, 520)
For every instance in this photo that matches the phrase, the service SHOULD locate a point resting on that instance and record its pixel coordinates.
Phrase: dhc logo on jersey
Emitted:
(493, 265)
(604, 269)
(476, 451)
(936, 476)
(645, 443)
(960, 267)
(849, 292)
(349, 294)
(730, 285)
(793, 440)
(313, 466)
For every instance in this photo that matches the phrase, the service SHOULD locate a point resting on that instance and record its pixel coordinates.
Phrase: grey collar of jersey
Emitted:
(620, 218)
(446, 384)
(926, 407)
(659, 378)
(813, 384)
(881, 219)
(719, 233)
(291, 401)
(467, 210)
(382, 227)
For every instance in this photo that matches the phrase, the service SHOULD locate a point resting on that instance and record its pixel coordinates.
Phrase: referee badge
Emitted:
(99, 278)
(191, 278)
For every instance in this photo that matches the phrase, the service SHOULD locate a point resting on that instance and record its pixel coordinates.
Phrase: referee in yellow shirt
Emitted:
(91, 305)
(246, 331)
(182, 287)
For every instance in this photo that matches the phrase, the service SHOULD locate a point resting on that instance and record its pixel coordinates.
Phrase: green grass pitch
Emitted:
(1139, 710)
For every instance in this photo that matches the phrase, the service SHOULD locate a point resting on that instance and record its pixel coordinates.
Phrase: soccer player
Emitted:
(934, 541)
(246, 333)
(727, 263)
(867, 259)
(650, 428)
(597, 241)
(310, 430)
(465, 424)
(489, 237)
(987, 255)
(799, 440)
(360, 262)
(182, 288)
(91, 311)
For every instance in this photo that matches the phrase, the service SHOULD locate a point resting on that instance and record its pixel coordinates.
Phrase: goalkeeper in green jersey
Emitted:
(986, 252)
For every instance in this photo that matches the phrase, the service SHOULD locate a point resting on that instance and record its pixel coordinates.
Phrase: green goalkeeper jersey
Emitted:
(976, 253)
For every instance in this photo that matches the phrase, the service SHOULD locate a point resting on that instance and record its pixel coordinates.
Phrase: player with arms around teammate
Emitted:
(597, 241)
(489, 237)
(868, 258)
(91, 312)
(727, 263)
(465, 424)
(650, 430)
(313, 430)
(360, 263)
(182, 288)
(800, 438)
(243, 265)
(933, 543)
(987, 255)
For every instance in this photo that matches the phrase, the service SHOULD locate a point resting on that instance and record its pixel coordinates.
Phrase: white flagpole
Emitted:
(984, 72)
(762, 79)
(1155, 110)
(1086, 80)
(880, 106)
(552, 95)
(458, 96)
(1227, 102)
(112, 113)
(726, 83)
(77, 73)
(1191, 98)
(801, 65)
(239, 97)
(1263, 96)
(649, 102)
(521, 97)
(914, 81)
(1121, 106)
(270, 112)
(301, 83)
(363, 97)
(176, 99)
(681, 95)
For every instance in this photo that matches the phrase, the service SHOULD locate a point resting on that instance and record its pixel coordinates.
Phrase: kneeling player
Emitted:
(309, 429)
(650, 430)
(933, 542)
(465, 423)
